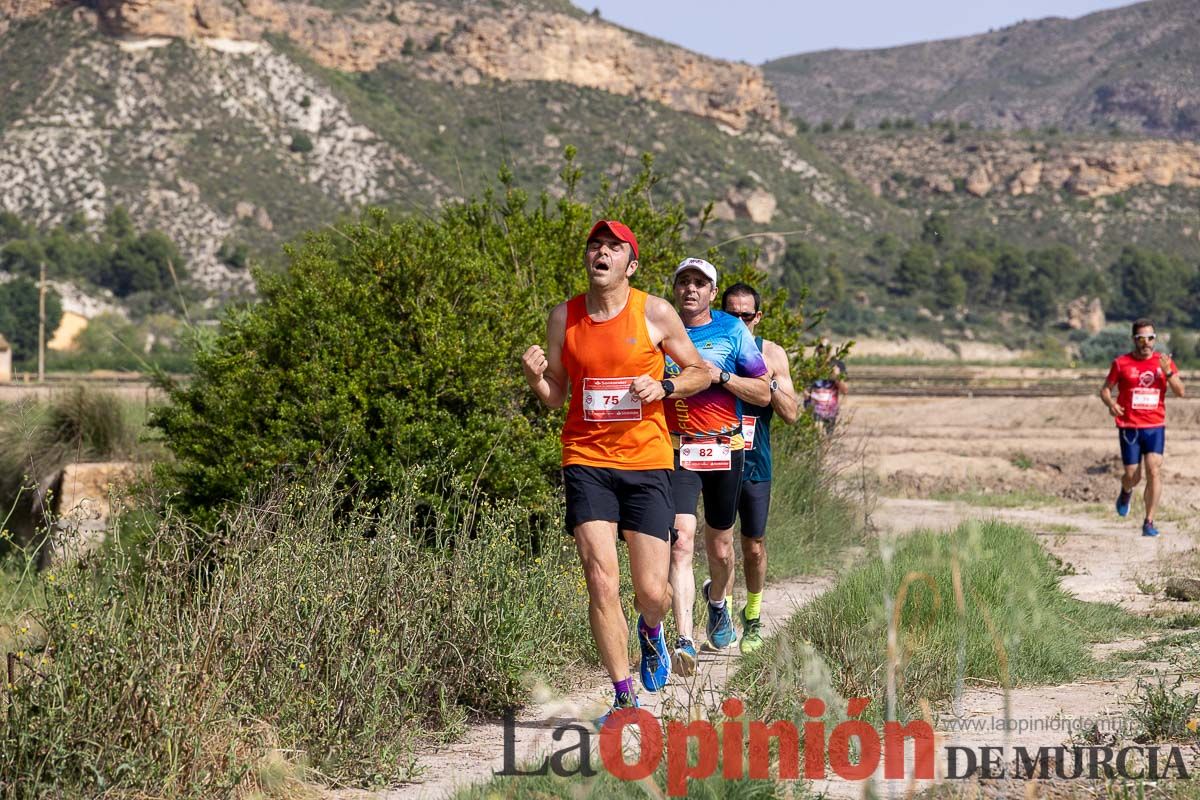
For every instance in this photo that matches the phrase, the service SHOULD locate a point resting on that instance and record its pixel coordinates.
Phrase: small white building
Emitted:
(5, 360)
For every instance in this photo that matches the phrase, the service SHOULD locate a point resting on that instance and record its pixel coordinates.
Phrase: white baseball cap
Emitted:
(699, 264)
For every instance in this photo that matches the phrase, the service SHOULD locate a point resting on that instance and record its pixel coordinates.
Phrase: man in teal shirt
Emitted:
(743, 301)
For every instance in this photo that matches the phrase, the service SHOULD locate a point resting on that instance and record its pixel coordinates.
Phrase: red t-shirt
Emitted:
(1141, 390)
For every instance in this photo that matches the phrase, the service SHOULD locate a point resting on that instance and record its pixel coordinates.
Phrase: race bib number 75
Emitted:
(610, 400)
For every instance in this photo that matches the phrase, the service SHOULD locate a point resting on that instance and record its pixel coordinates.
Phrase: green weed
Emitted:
(1163, 712)
(323, 628)
(984, 597)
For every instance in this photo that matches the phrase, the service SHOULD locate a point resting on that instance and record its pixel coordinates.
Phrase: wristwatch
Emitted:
(668, 388)
(725, 378)
(774, 385)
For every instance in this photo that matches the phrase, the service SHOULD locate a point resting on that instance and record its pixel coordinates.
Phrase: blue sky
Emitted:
(757, 30)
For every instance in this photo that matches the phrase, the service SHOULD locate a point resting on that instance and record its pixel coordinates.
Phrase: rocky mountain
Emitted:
(242, 123)
(247, 121)
(1135, 68)
(1093, 194)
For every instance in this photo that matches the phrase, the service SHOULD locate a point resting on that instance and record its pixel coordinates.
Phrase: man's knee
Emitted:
(603, 586)
(753, 548)
(720, 547)
(655, 597)
(685, 537)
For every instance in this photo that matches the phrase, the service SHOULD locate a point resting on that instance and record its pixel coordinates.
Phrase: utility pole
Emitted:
(42, 324)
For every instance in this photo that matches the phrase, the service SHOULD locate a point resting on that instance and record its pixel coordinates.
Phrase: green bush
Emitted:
(1103, 347)
(37, 439)
(399, 340)
(329, 636)
(300, 143)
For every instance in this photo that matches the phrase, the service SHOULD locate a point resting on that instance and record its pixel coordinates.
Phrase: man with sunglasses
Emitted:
(1141, 380)
(744, 302)
(706, 431)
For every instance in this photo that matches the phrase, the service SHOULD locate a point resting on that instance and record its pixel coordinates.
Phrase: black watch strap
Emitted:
(668, 387)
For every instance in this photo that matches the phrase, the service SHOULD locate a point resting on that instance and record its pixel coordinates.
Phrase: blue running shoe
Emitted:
(622, 703)
(720, 630)
(683, 660)
(656, 661)
(1148, 529)
(1123, 502)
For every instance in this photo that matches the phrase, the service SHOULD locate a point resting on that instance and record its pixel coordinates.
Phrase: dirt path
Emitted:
(480, 753)
(1061, 450)
(1109, 559)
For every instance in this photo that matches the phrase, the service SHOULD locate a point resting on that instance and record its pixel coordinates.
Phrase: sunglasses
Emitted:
(1141, 337)
(744, 316)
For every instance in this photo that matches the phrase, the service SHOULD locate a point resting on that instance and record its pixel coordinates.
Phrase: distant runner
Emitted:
(707, 432)
(744, 302)
(824, 397)
(617, 456)
(1140, 411)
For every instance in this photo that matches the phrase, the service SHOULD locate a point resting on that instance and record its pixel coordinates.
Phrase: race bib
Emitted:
(824, 403)
(749, 424)
(705, 454)
(610, 400)
(1145, 398)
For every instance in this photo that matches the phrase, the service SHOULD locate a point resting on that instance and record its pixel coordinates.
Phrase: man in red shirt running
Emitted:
(1140, 411)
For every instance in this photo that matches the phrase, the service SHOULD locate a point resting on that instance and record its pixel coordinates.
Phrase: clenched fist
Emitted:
(647, 389)
(534, 363)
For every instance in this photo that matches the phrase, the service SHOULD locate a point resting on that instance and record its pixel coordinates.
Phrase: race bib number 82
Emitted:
(705, 455)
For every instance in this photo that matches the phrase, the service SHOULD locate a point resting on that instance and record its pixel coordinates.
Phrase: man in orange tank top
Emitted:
(605, 354)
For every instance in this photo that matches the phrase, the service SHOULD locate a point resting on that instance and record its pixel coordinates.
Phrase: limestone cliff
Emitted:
(1015, 166)
(459, 45)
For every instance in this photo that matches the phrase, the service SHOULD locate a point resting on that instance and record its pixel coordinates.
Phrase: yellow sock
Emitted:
(753, 605)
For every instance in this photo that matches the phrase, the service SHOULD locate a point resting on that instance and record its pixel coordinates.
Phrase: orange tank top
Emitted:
(607, 426)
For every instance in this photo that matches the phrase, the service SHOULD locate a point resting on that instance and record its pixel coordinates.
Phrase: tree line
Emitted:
(135, 266)
(116, 257)
(944, 269)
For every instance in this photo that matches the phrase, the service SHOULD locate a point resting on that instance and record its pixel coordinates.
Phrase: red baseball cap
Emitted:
(617, 229)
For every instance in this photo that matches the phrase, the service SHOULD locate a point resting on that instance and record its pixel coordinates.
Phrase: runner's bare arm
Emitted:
(667, 331)
(1106, 397)
(783, 399)
(1174, 381)
(544, 371)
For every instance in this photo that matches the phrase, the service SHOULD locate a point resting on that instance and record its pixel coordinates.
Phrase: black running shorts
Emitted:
(753, 507)
(720, 489)
(637, 500)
